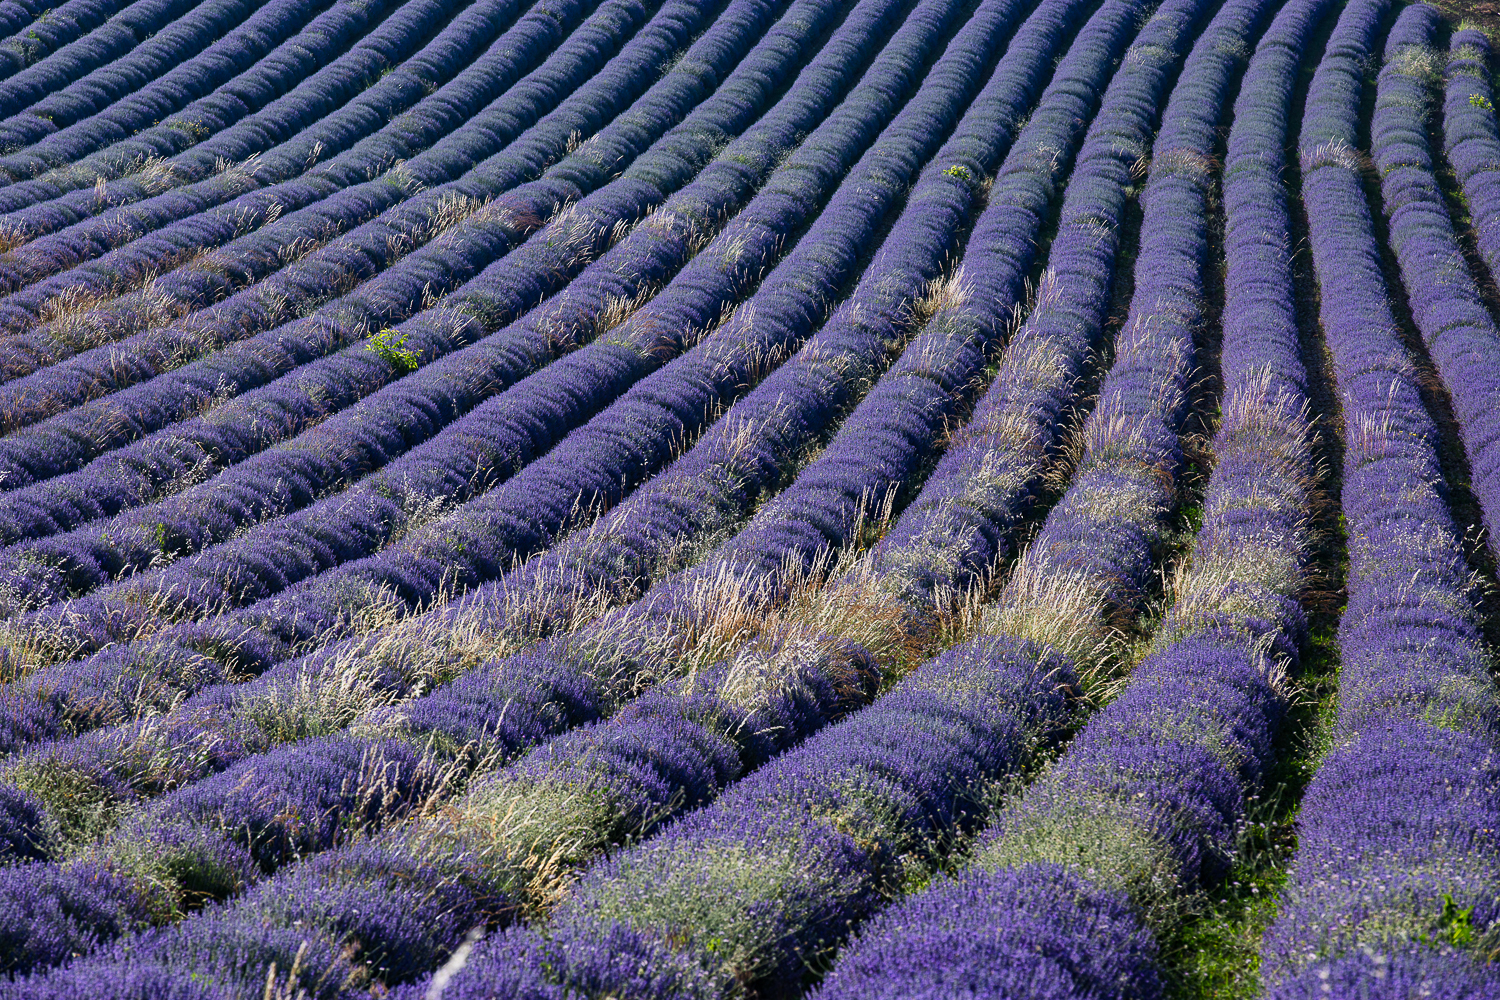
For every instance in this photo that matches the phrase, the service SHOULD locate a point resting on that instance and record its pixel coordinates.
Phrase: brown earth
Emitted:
(1485, 14)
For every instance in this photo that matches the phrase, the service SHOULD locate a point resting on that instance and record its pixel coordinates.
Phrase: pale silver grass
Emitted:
(1336, 153)
(1065, 609)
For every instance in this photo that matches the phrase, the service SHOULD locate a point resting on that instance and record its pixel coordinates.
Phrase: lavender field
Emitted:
(749, 499)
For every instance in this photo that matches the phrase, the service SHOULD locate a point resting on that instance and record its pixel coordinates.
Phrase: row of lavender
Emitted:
(763, 884)
(998, 103)
(1393, 890)
(1246, 626)
(916, 30)
(896, 67)
(1395, 870)
(688, 304)
(1078, 883)
(940, 179)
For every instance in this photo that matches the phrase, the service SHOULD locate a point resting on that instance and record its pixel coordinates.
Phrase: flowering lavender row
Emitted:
(46, 704)
(518, 706)
(209, 840)
(136, 72)
(425, 80)
(57, 694)
(377, 430)
(318, 192)
(488, 77)
(245, 494)
(284, 94)
(608, 456)
(1396, 832)
(111, 40)
(484, 448)
(1456, 326)
(370, 247)
(562, 675)
(744, 453)
(486, 535)
(324, 272)
(694, 737)
(1147, 802)
(1471, 138)
(457, 713)
(964, 519)
(322, 42)
(70, 440)
(400, 222)
(182, 62)
(742, 456)
(44, 34)
(880, 446)
(811, 843)
(761, 886)
(71, 19)
(1108, 529)
(282, 409)
(232, 706)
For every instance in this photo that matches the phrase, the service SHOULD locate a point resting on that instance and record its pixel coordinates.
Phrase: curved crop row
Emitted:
(977, 144)
(966, 518)
(512, 284)
(710, 489)
(68, 441)
(1471, 138)
(111, 40)
(264, 290)
(45, 29)
(598, 462)
(1397, 828)
(473, 86)
(980, 30)
(288, 265)
(1147, 800)
(233, 431)
(1460, 334)
(329, 68)
(811, 843)
(654, 484)
(910, 43)
(187, 60)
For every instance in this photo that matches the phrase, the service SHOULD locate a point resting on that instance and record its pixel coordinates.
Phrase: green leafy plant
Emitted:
(1457, 922)
(958, 170)
(391, 345)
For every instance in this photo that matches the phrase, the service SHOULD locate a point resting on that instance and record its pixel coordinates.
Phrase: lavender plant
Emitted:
(1456, 327)
(1392, 874)
(539, 502)
(920, 30)
(382, 504)
(761, 886)
(1146, 804)
(70, 440)
(34, 33)
(858, 28)
(331, 68)
(396, 221)
(1471, 137)
(116, 37)
(185, 60)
